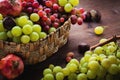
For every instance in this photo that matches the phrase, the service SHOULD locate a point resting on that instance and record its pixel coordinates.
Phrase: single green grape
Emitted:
(113, 59)
(3, 36)
(52, 29)
(99, 30)
(111, 49)
(82, 76)
(23, 20)
(72, 67)
(112, 44)
(75, 61)
(113, 69)
(25, 39)
(57, 69)
(49, 77)
(93, 58)
(72, 76)
(66, 71)
(17, 39)
(89, 52)
(34, 36)
(27, 29)
(83, 70)
(59, 76)
(51, 66)
(34, 17)
(91, 74)
(105, 63)
(99, 50)
(16, 31)
(9, 34)
(87, 57)
(74, 2)
(68, 7)
(82, 60)
(30, 22)
(102, 56)
(47, 71)
(42, 35)
(85, 64)
(36, 28)
(102, 72)
(2, 29)
(62, 2)
(94, 65)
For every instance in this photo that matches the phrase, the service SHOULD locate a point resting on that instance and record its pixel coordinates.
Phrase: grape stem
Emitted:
(114, 38)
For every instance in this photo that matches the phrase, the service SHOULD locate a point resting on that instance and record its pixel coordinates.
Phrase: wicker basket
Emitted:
(40, 50)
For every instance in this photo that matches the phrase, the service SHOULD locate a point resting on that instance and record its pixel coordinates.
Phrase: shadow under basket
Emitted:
(40, 50)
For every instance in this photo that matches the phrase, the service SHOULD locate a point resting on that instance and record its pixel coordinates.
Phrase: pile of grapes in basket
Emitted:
(24, 21)
(102, 63)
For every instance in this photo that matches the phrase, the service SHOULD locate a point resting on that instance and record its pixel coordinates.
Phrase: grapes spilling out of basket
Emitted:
(102, 63)
(24, 21)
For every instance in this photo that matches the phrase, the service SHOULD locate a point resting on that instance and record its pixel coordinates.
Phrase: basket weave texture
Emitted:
(40, 50)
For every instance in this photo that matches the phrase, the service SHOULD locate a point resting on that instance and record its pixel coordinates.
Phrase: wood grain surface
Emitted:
(110, 10)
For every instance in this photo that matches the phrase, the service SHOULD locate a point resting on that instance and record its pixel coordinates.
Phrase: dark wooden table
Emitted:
(110, 10)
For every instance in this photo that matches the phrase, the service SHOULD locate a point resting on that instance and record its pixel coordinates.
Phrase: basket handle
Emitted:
(114, 38)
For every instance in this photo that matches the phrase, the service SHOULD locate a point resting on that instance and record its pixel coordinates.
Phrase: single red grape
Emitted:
(35, 4)
(62, 19)
(55, 6)
(48, 3)
(79, 20)
(52, 17)
(73, 19)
